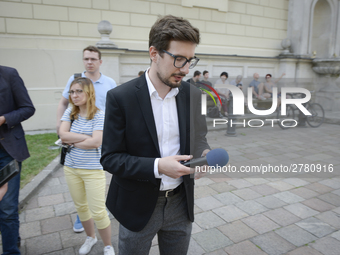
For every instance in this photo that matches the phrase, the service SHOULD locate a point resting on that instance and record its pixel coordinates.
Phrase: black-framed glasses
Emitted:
(180, 61)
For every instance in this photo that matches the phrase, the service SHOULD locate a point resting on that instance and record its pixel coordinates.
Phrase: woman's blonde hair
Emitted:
(88, 89)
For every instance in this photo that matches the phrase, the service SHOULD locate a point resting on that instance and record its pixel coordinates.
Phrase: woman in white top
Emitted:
(82, 127)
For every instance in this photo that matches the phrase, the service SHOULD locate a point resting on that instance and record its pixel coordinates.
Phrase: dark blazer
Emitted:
(130, 147)
(16, 106)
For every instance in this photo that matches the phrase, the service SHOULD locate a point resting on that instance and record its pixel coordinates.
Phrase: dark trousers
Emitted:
(9, 217)
(169, 221)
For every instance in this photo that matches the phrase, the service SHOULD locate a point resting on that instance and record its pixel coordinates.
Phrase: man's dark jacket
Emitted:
(16, 106)
(130, 147)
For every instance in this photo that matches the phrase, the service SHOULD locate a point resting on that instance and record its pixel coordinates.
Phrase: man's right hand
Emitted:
(170, 166)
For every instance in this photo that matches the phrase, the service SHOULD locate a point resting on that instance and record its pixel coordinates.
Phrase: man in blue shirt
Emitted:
(102, 84)
(92, 62)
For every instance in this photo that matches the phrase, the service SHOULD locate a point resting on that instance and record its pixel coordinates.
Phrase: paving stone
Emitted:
(296, 182)
(228, 198)
(246, 194)
(32, 203)
(327, 246)
(251, 207)
(212, 239)
(51, 200)
(301, 210)
(270, 202)
(320, 188)
(318, 205)
(237, 231)
(256, 181)
(217, 252)
(30, 229)
(336, 192)
(22, 217)
(64, 209)
(330, 198)
(56, 224)
(70, 239)
(272, 243)
(316, 227)
(288, 197)
(264, 189)
(244, 248)
(304, 251)
(195, 228)
(43, 244)
(282, 217)
(334, 184)
(281, 185)
(67, 197)
(197, 209)
(208, 203)
(240, 183)
(330, 218)
(53, 182)
(39, 213)
(230, 213)
(208, 220)
(260, 223)
(68, 251)
(336, 235)
(203, 182)
(296, 235)
(204, 191)
(304, 192)
(194, 248)
(222, 187)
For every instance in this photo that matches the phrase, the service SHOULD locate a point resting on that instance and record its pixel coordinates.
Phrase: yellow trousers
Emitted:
(87, 189)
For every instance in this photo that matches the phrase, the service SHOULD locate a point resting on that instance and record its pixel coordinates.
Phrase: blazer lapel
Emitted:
(144, 101)
(181, 111)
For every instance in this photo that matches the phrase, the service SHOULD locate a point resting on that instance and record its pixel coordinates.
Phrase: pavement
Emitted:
(235, 213)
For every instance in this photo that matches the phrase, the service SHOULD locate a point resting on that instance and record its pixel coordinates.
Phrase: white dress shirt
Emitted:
(166, 120)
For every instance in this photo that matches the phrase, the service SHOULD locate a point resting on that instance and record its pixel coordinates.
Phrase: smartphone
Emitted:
(8, 172)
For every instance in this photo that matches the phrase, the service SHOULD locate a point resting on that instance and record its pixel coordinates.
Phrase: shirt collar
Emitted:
(100, 80)
(152, 91)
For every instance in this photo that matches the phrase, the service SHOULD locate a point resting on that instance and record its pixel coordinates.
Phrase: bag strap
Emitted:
(76, 75)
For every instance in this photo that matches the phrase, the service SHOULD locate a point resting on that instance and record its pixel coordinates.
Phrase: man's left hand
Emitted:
(2, 120)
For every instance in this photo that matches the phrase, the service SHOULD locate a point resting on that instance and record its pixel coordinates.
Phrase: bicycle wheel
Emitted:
(288, 120)
(317, 117)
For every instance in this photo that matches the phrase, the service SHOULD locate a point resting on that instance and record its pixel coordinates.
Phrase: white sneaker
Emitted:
(262, 97)
(108, 250)
(87, 246)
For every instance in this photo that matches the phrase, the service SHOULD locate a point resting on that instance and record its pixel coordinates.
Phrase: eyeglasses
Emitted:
(92, 59)
(77, 92)
(180, 61)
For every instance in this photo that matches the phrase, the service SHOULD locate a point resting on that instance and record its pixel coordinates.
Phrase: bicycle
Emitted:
(294, 116)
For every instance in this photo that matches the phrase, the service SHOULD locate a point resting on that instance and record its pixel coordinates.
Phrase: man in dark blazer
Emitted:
(15, 107)
(151, 124)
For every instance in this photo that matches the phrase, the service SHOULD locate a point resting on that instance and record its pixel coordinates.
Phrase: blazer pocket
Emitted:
(126, 184)
(18, 132)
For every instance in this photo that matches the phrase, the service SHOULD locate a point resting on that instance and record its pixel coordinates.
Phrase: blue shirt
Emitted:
(81, 158)
(255, 84)
(101, 87)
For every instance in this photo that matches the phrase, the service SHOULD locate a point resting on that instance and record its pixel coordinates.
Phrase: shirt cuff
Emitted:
(155, 169)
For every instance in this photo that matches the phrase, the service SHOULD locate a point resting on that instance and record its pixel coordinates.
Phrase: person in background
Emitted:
(237, 80)
(92, 62)
(82, 127)
(140, 73)
(195, 80)
(205, 79)
(255, 85)
(15, 107)
(267, 90)
(223, 93)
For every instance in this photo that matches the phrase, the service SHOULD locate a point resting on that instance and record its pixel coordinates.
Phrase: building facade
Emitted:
(44, 39)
